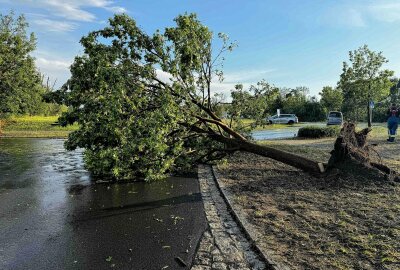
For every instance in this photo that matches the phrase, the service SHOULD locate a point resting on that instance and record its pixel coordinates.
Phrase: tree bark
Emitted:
(294, 160)
(242, 144)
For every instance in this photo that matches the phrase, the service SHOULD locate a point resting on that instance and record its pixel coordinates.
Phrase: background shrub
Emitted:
(318, 132)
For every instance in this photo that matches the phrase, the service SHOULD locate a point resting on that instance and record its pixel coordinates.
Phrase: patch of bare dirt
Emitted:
(347, 221)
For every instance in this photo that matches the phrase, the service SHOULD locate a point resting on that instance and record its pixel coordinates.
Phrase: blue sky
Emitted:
(286, 42)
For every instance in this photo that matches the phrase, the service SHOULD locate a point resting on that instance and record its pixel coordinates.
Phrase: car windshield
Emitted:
(335, 114)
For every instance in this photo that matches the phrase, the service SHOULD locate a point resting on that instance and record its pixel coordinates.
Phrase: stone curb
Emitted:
(252, 235)
(224, 246)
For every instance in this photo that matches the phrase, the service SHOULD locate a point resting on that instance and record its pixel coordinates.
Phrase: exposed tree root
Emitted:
(351, 151)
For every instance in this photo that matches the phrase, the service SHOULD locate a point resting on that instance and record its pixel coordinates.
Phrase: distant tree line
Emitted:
(363, 79)
(263, 99)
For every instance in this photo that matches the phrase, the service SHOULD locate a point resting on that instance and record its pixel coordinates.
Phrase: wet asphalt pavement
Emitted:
(287, 132)
(52, 216)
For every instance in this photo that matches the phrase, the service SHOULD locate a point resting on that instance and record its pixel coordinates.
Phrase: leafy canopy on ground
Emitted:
(143, 102)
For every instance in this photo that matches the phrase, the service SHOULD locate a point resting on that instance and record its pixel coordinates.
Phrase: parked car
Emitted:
(283, 119)
(335, 118)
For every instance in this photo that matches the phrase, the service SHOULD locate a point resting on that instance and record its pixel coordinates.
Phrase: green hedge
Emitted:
(318, 132)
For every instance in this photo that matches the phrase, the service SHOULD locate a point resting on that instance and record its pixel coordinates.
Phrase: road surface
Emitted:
(52, 216)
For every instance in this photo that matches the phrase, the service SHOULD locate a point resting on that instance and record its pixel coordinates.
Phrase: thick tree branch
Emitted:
(223, 126)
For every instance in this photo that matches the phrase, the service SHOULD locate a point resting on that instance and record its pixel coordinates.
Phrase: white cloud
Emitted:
(163, 76)
(225, 89)
(57, 70)
(244, 76)
(47, 64)
(387, 11)
(74, 10)
(55, 26)
(361, 14)
(116, 9)
(353, 17)
(344, 16)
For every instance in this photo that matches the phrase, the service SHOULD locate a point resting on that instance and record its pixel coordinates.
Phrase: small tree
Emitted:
(256, 103)
(331, 98)
(20, 82)
(364, 80)
(294, 100)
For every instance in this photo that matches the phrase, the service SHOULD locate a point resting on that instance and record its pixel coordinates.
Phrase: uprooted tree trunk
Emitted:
(239, 143)
(351, 149)
(294, 160)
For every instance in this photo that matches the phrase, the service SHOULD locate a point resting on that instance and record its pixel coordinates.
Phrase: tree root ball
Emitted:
(352, 151)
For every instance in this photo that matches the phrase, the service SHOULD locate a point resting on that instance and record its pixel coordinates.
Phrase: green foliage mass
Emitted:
(263, 100)
(143, 102)
(21, 86)
(307, 109)
(380, 112)
(331, 98)
(363, 79)
(255, 103)
(318, 132)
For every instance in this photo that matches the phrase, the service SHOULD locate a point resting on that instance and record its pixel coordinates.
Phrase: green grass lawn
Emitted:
(41, 127)
(36, 127)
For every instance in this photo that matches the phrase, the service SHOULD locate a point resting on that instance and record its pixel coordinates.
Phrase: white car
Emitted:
(335, 118)
(283, 119)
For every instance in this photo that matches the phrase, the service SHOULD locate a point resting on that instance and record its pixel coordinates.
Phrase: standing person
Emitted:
(392, 122)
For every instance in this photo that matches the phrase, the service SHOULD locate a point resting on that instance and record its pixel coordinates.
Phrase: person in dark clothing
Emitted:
(392, 122)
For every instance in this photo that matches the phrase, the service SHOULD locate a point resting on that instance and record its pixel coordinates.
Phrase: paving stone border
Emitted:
(223, 246)
(251, 233)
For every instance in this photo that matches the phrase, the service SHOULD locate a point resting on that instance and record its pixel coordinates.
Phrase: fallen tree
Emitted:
(145, 106)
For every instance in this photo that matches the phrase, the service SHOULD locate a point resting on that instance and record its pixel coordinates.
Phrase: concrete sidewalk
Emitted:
(224, 245)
